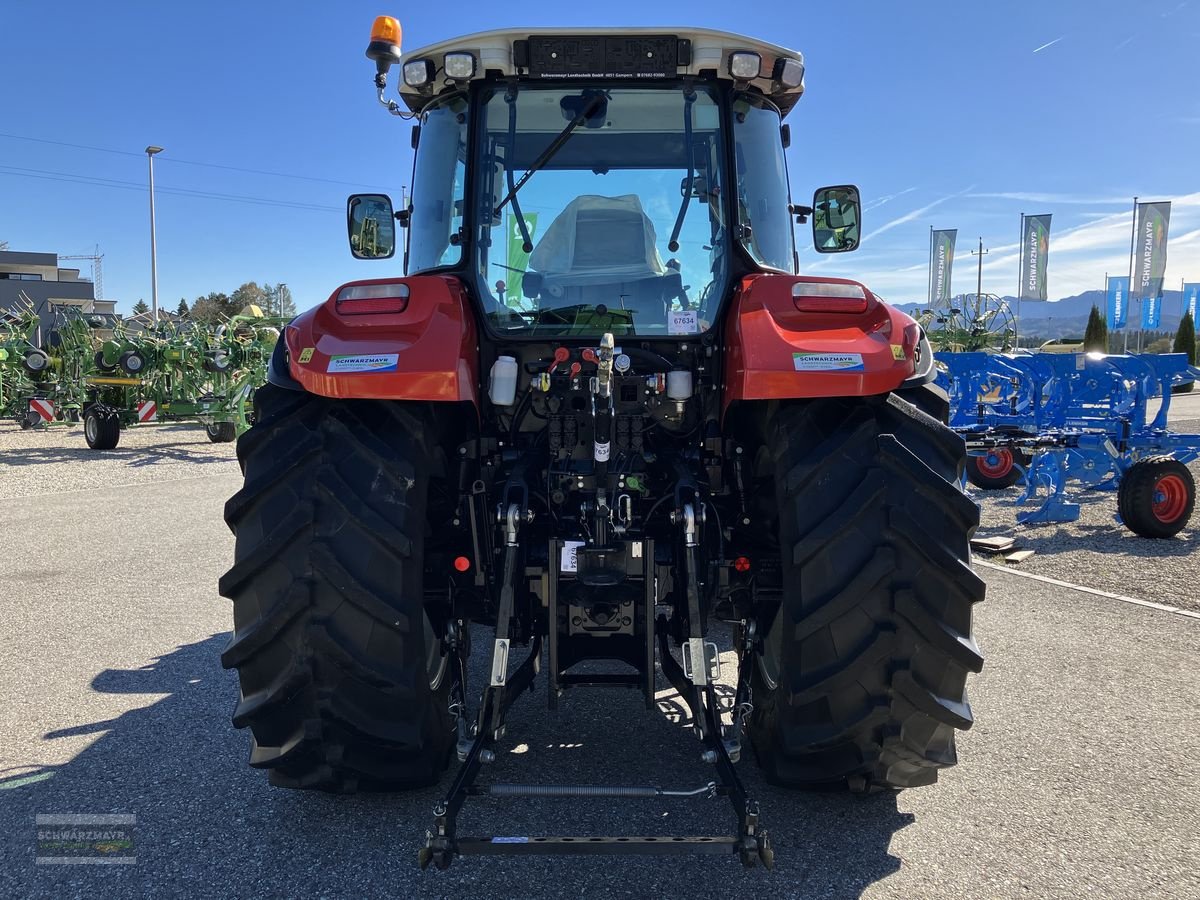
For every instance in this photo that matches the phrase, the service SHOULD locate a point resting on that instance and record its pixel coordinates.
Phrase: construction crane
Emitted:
(97, 273)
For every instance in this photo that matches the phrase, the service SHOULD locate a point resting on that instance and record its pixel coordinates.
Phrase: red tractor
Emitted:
(601, 416)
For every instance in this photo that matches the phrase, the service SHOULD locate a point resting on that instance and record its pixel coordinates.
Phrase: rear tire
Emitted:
(861, 674)
(1157, 497)
(101, 428)
(221, 432)
(344, 684)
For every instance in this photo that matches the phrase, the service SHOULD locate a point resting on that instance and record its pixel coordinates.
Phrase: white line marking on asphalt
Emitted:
(1163, 607)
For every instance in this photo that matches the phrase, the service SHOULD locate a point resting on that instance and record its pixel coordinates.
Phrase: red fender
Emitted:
(782, 346)
(422, 347)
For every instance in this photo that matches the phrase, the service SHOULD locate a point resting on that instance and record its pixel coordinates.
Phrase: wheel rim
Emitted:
(89, 428)
(770, 658)
(1170, 498)
(436, 662)
(997, 463)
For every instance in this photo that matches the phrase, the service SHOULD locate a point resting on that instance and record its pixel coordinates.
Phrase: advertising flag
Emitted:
(517, 257)
(1118, 302)
(1035, 243)
(1150, 249)
(1191, 294)
(1151, 312)
(941, 261)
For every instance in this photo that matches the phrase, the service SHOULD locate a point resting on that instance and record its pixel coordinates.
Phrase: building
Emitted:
(144, 322)
(38, 277)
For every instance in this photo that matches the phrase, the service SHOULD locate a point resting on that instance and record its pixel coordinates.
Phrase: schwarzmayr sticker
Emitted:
(375, 362)
(827, 362)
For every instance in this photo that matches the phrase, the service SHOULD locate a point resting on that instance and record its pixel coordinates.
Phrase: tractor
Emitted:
(601, 429)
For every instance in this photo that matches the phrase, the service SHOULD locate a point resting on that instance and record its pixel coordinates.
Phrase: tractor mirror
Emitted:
(836, 219)
(372, 226)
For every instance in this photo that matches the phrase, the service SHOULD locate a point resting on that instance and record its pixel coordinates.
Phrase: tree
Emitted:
(1185, 338)
(280, 302)
(1185, 342)
(249, 294)
(182, 309)
(212, 309)
(1095, 338)
(1160, 345)
(285, 305)
(140, 307)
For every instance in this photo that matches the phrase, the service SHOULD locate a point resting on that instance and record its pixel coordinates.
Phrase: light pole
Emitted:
(279, 298)
(150, 151)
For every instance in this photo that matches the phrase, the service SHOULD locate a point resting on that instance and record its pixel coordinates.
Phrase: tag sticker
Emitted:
(601, 451)
(827, 362)
(570, 560)
(305, 355)
(379, 362)
(682, 321)
(898, 353)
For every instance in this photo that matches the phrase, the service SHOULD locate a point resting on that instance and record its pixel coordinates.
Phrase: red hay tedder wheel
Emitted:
(1156, 497)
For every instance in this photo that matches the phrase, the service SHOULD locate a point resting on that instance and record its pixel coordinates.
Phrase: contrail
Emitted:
(1051, 44)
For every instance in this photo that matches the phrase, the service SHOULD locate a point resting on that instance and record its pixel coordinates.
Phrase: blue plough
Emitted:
(1084, 418)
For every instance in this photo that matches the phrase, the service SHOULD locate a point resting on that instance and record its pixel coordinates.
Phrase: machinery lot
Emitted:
(1077, 777)
(1097, 552)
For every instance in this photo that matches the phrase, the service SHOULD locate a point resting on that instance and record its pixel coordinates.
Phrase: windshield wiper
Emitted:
(593, 104)
(689, 98)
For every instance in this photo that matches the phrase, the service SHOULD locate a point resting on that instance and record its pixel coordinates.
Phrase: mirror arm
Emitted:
(800, 212)
(402, 216)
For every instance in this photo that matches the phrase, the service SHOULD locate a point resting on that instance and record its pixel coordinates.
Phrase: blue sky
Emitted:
(961, 117)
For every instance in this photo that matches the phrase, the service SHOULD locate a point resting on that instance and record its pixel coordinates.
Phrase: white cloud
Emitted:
(875, 204)
(1095, 243)
(908, 217)
(1051, 44)
(1036, 197)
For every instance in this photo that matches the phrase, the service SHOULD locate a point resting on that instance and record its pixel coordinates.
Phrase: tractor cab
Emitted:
(598, 182)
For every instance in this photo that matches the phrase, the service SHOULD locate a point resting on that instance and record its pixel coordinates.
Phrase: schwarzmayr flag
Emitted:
(1118, 302)
(1035, 243)
(1150, 249)
(941, 261)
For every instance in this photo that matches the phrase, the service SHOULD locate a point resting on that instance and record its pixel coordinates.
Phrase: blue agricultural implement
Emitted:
(1051, 419)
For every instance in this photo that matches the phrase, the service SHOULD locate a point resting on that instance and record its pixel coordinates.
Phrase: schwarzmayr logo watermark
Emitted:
(70, 839)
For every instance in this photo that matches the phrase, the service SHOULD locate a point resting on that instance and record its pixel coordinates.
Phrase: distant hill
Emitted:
(1068, 317)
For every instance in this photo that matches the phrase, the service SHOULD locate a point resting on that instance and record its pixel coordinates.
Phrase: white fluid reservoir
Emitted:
(679, 384)
(502, 385)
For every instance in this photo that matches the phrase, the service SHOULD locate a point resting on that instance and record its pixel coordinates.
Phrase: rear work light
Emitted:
(418, 72)
(459, 66)
(829, 297)
(366, 299)
(744, 65)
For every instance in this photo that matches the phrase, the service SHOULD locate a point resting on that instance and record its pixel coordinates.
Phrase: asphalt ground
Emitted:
(1079, 776)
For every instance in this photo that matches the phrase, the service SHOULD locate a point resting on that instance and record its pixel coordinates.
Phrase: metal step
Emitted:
(586, 845)
(592, 790)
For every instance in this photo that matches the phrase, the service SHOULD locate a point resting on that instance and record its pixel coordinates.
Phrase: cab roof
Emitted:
(508, 52)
